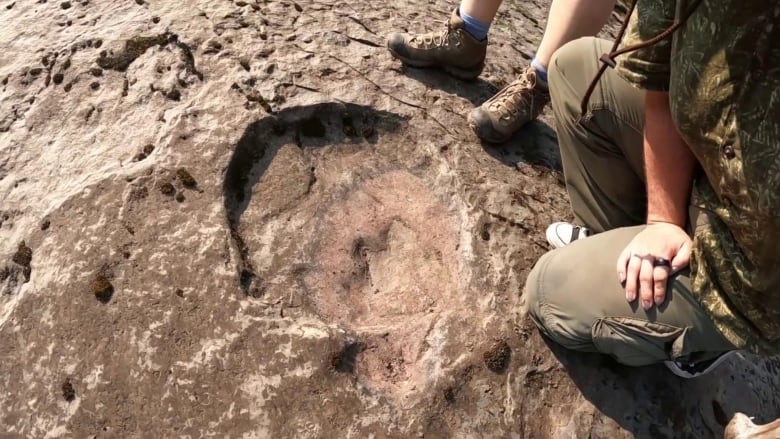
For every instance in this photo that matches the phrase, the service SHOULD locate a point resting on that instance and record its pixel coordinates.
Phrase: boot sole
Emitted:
(467, 74)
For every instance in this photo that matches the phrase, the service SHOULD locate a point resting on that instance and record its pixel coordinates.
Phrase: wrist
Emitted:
(652, 220)
(667, 212)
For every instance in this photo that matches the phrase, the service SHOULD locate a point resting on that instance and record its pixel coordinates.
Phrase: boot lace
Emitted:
(508, 101)
(434, 40)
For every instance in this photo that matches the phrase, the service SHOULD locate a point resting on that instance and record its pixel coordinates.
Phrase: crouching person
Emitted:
(672, 166)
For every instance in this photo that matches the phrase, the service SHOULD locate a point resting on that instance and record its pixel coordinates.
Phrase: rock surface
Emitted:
(244, 218)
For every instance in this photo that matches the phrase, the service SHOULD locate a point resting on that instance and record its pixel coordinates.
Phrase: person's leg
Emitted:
(574, 297)
(573, 293)
(601, 151)
(524, 99)
(482, 10)
(478, 15)
(569, 20)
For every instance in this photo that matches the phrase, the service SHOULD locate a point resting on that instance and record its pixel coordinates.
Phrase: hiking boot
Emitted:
(562, 234)
(693, 370)
(517, 104)
(452, 49)
(742, 427)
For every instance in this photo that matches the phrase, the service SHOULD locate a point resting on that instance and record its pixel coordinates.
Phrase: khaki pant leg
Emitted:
(574, 296)
(601, 151)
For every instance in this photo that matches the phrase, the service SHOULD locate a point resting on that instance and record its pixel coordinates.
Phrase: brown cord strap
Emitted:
(608, 59)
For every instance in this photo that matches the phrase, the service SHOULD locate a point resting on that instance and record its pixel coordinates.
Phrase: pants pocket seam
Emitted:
(656, 338)
(641, 320)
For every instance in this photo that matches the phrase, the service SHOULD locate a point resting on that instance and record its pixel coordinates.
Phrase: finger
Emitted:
(646, 283)
(682, 258)
(632, 276)
(622, 262)
(660, 277)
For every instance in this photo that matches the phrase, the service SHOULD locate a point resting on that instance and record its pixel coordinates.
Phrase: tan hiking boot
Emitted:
(517, 104)
(742, 427)
(452, 49)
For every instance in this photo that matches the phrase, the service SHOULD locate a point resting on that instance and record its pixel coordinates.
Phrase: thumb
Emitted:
(682, 258)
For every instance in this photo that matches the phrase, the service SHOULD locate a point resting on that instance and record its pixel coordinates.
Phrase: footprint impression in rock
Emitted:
(321, 203)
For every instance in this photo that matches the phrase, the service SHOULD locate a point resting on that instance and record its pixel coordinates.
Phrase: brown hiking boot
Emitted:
(517, 104)
(452, 49)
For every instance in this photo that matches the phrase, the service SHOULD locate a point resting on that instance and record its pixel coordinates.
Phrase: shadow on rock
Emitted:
(476, 91)
(535, 144)
(317, 125)
(651, 403)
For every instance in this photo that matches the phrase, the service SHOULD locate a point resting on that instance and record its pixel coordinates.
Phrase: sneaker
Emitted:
(452, 49)
(517, 104)
(693, 370)
(562, 234)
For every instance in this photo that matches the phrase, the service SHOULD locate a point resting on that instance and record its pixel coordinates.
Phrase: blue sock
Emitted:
(474, 27)
(541, 72)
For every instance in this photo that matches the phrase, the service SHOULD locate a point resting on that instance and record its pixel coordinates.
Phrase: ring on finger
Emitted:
(661, 262)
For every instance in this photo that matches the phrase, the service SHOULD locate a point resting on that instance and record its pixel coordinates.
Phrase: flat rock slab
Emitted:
(245, 219)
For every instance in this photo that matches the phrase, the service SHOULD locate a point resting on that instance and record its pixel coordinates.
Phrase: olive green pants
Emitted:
(573, 293)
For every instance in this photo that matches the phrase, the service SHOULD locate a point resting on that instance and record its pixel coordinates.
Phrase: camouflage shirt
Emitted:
(722, 72)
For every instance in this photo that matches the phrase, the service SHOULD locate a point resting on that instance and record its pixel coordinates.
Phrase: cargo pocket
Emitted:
(637, 342)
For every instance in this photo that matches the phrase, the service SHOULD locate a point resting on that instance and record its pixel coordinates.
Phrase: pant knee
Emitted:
(530, 302)
(543, 307)
(569, 66)
(572, 58)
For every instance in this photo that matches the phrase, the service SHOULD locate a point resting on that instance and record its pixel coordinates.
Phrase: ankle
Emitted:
(541, 72)
(476, 28)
